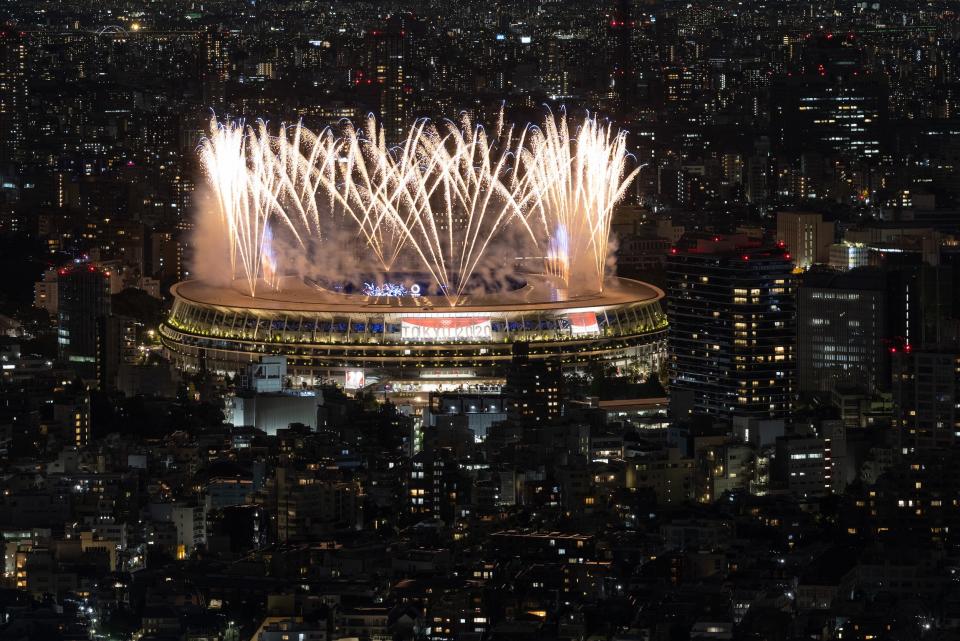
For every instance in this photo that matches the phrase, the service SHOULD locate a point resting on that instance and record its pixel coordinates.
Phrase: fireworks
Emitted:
(443, 199)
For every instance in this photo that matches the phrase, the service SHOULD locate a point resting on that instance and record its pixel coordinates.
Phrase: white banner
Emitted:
(457, 328)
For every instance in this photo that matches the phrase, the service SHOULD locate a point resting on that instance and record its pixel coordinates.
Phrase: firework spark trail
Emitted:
(460, 203)
(575, 183)
(241, 165)
(443, 196)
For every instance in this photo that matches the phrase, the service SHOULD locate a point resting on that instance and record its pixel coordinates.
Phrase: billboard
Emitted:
(583, 323)
(456, 328)
(354, 379)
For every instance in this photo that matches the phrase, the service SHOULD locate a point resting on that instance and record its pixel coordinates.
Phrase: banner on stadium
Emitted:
(456, 328)
(583, 323)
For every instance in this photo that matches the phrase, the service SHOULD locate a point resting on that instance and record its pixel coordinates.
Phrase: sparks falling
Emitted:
(441, 198)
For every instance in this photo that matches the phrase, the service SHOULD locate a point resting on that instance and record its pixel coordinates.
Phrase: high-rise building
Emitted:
(216, 69)
(806, 235)
(534, 388)
(926, 390)
(436, 486)
(389, 73)
(13, 94)
(117, 347)
(622, 81)
(829, 104)
(756, 183)
(83, 304)
(841, 328)
(731, 340)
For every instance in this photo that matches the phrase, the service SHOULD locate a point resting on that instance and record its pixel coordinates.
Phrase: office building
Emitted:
(926, 391)
(841, 327)
(847, 255)
(802, 465)
(806, 236)
(828, 105)
(83, 303)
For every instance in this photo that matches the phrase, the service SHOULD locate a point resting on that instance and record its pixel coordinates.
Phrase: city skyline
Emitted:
(506, 320)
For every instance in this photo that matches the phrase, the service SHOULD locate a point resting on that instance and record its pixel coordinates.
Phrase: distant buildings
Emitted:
(388, 73)
(830, 104)
(14, 93)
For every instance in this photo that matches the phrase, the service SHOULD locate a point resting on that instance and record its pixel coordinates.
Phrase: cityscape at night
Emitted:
(492, 320)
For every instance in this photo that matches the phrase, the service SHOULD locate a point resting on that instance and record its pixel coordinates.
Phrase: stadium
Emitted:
(355, 339)
(421, 264)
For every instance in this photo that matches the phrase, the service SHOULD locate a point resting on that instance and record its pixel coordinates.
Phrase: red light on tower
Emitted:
(673, 250)
(893, 350)
(908, 348)
(746, 257)
(781, 244)
(787, 256)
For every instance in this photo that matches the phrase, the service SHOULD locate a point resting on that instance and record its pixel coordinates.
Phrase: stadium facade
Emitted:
(359, 338)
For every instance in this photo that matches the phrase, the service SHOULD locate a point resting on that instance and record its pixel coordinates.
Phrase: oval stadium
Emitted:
(402, 333)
